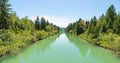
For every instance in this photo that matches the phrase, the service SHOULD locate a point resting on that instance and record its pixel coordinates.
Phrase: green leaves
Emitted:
(110, 17)
(104, 24)
(104, 31)
(4, 14)
(18, 33)
(77, 27)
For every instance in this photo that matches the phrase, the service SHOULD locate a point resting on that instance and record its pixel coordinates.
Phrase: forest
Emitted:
(103, 31)
(17, 33)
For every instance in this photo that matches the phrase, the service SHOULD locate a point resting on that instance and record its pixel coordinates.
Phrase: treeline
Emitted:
(16, 33)
(104, 31)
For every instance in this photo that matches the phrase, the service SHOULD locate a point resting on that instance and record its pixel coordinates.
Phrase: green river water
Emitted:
(62, 48)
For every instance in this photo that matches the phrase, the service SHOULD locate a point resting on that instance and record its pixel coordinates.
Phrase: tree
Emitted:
(101, 25)
(47, 23)
(4, 14)
(43, 23)
(92, 24)
(13, 22)
(37, 24)
(116, 25)
(87, 24)
(26, 24)
(110, 17)
(69, 27)
(81, 27)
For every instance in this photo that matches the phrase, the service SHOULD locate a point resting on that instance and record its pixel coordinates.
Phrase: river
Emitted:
(62, 48)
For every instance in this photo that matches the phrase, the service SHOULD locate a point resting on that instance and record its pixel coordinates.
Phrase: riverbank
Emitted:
(108, 41)
(12, 43)
(103, 31)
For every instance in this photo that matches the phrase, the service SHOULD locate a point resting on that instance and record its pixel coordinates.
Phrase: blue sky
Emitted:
(62, 12)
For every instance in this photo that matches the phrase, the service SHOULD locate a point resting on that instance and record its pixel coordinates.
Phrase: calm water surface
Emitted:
(62, 48)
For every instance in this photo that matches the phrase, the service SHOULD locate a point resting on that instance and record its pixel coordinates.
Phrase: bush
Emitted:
(7, 37)
(0, 41)
(42, 34)
(11, 42)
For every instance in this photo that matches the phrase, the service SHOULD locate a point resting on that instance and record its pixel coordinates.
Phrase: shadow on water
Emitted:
(91, 53)
(32, 53)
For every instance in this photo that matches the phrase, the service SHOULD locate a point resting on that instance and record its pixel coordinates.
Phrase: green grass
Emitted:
(109, 41)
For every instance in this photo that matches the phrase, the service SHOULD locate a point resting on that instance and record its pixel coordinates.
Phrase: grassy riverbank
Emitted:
(108, 41)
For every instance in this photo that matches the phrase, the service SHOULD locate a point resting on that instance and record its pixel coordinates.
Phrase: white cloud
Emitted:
(59, 21)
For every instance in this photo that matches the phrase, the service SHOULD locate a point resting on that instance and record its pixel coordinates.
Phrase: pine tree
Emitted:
(37, 24)
(81, 27)
(110, 17)
(43, 23)
(101, 24)
(116, 25)
(4, 14)
(91, 27)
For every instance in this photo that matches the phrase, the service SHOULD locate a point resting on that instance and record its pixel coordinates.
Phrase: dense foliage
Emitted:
(104, 31)
(16, 33)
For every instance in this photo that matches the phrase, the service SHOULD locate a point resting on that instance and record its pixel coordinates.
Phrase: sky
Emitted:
(62, 12)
